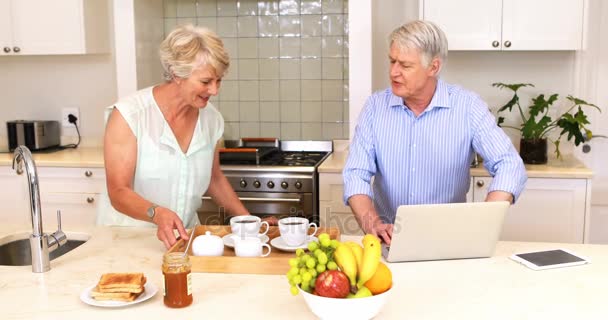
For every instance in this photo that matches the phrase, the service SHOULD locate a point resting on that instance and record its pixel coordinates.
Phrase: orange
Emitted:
(381, 281)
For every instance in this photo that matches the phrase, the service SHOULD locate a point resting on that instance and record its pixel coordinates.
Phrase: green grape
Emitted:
(291, 283)
(299, 252)
(312, 246)
(334, 243)
(323, 236)
(313, 282)
(305, 258)
(322, 258)
(311, 263)
(305, 286)
(320, 268)
(293, 262)
(332, 265)
(325, 243)
(317, 252)
(297, 279)
(313, 272)
(303, 270)
(306, 277)
(294, 290)
(293, 271)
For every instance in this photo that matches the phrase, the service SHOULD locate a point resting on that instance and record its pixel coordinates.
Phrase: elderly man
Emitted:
(418, 138)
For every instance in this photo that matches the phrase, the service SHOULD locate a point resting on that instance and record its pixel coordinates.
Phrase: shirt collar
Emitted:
(200, 137)
(441, 98)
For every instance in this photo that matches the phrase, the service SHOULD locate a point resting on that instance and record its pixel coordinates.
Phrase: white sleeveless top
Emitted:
(163, 173)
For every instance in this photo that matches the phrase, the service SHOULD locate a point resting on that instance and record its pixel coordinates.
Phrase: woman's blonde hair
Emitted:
(424, 36)
(188, 47)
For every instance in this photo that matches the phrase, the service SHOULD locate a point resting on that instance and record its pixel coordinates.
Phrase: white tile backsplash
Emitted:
(290, 111)
(227, 27)
(247, 8)
(288, 71)
(248, 48)
(249, 90)
(226, 8)
(269, 69)
(247, 26)
(249, 111)
(270, 111)
(206, 8)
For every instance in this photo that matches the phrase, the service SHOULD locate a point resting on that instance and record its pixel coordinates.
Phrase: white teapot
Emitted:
(208, 245)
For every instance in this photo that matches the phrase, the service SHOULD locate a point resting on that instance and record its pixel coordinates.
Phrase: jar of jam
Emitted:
(178, 282)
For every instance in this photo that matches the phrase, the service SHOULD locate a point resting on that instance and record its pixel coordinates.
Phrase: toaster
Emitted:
(35, 134)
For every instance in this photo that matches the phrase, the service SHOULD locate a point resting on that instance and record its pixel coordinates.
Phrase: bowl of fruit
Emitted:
(341, 279)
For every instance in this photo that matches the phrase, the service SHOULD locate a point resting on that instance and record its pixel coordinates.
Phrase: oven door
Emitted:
(261, 204)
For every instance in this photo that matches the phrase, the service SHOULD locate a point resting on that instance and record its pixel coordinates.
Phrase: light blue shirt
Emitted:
(426, 159)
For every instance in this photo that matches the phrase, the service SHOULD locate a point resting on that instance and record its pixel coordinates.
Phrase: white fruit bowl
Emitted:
(356, 308)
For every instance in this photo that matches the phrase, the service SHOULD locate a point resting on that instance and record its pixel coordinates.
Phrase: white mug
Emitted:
(294, 230)
(247, 226)
(249, 247)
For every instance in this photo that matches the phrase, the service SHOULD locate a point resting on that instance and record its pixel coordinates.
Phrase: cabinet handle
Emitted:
(495, 44)
(88, 173)
(507, 44)
(480, 183)
(90, 199)
(16, 49)
(7, 49)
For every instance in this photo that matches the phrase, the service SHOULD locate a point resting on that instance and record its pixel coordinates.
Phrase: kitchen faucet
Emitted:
(41, 244)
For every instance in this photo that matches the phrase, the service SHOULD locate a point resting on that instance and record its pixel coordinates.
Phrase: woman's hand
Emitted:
(167, 221)
(272, 220)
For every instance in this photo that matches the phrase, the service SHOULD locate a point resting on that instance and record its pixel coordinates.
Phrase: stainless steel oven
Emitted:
(281, 183)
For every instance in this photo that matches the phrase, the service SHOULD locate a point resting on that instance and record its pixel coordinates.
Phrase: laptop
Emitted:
(446, 231)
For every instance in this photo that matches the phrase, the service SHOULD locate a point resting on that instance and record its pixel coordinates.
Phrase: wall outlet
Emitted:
(64, 116)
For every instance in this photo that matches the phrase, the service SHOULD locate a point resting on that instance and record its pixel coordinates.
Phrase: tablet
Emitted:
(549, 259)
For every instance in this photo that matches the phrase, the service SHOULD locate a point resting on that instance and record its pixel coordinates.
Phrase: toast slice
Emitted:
(115, 296)
(121, 282)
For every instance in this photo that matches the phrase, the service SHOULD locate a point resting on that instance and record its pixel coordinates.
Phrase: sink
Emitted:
(15, 250)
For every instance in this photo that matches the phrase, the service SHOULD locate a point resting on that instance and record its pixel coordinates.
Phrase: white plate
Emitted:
(85, 296)
(280, 244)
(228, 242)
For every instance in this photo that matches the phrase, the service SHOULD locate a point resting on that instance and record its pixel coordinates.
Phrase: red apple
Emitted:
(332, 284)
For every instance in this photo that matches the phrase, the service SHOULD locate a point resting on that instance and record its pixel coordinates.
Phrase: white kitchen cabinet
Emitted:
(508, 24)
(74, 191)
(42, 27)
(332, 211)
(548, 210)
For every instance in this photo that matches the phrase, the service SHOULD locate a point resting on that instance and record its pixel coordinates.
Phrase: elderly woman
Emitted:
(160, 144)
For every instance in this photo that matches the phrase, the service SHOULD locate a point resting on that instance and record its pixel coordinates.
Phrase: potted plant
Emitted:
(537, 124)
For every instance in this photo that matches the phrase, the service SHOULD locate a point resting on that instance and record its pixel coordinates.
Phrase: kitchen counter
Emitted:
(567, 167)
(79, 157)
(493, 288)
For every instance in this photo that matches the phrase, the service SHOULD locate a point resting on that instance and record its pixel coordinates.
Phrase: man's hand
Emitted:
(499, 196)
(167, 221)
(371, 223)
(272, 220)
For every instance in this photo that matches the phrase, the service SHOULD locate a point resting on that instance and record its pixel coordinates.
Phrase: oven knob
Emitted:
(256, 184)
(270, 184)
(284, 185)
(298, 185)
(243, 183)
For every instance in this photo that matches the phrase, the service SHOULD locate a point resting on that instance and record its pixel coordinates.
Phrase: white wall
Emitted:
(37, 87)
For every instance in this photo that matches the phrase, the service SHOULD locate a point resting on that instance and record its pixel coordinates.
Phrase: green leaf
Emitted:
(579, 102)
(514, 87)
(540, 105)
(509, 104)
(500, 121)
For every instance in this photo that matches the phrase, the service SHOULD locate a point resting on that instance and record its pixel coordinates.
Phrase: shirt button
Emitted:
(414, 145)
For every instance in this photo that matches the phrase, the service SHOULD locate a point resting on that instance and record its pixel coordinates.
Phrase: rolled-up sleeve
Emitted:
(499, 155)
(361, 163)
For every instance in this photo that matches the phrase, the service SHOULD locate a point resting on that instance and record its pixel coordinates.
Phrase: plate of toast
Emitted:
(118, 290)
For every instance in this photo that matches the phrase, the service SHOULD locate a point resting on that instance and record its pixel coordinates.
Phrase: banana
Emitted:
(345, 259)
(357, 251)
(371, 257)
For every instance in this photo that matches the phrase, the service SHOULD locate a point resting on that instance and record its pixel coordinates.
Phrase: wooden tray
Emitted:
(275, 263)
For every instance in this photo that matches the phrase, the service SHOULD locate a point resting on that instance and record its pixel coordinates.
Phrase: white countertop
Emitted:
(567, 167)
(493, 288)
(81, 157)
